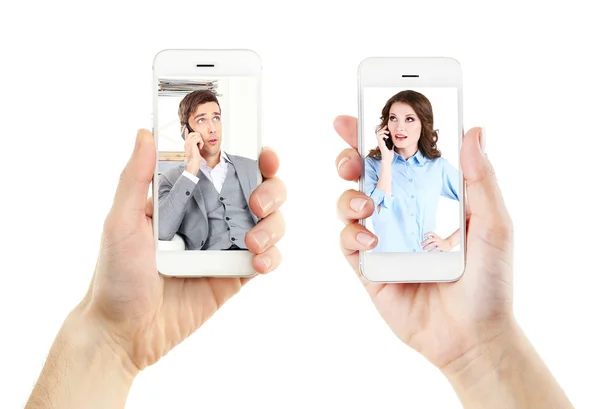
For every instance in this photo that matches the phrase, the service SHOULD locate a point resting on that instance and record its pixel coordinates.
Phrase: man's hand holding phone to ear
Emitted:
(192, 147)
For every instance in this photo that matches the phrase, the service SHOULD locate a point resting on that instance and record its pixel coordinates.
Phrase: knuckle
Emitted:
(282, 227)
(109, 224)
(342, 239)
(502, 231)
(111, 231)
(339, 202)
(123, 176)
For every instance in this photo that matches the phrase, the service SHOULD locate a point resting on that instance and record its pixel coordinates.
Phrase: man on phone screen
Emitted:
(205, 199)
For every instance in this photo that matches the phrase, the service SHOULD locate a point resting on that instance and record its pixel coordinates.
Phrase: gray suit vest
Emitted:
(229, 217)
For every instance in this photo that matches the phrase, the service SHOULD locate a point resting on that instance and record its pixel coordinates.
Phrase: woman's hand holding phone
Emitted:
(193, 145)
(387, 154)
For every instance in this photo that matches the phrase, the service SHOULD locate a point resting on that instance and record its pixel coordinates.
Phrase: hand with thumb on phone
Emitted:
(192, 147)
(466, 328)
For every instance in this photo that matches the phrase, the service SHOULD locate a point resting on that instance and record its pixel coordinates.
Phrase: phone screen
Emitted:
(418, 203)
(208, 146)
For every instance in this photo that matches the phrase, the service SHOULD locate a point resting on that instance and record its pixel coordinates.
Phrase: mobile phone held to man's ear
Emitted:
(189, 131)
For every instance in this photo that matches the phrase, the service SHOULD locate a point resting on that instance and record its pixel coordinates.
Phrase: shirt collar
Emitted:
(418, 158)
(224, 158)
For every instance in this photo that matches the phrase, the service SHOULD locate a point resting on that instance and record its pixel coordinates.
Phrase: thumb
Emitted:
(134, 183)
(483, 192)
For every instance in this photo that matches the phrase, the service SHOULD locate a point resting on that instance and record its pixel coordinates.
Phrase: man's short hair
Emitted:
(191, 101)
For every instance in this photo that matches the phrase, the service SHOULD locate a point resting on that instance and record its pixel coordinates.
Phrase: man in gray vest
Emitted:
(205, 199)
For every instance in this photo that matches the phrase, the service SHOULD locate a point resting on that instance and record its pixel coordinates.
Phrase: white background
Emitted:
(445, 119)
(76, 86)
(238, 101)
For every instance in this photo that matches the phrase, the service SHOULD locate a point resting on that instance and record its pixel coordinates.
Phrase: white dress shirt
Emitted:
(216, 175)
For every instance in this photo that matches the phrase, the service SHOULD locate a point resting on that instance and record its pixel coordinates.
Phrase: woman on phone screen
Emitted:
(406, 179)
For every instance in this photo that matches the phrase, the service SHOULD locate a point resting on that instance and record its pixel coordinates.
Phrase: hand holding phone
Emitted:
(192, 147)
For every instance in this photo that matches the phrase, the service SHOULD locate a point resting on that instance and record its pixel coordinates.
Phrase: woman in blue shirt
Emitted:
(406, 182)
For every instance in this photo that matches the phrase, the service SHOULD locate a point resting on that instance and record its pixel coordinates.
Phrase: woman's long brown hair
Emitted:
(429, 136)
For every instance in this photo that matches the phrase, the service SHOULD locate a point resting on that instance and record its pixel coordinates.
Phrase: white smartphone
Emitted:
(409, 137)
(207, 127)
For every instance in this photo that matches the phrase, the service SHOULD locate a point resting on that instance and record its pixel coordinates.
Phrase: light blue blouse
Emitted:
(410, 211)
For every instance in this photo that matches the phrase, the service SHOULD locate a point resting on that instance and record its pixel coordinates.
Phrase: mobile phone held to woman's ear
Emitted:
(387, 139)
(389, 143)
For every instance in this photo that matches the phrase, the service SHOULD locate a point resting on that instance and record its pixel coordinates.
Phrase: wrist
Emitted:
(88, 336)
(505, 372)
(451, 242)
(84, 368)
(482, 362)
(192, 167)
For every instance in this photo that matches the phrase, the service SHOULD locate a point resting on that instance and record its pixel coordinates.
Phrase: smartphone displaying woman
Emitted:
(405, 175)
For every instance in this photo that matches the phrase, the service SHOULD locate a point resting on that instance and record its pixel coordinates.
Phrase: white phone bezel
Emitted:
(183, 63)
(412, 267)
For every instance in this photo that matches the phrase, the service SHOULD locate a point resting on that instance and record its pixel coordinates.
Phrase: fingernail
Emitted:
(265, 203)
(262, 238)
(365, 239)
(358, 203)
(482, 139)
(266, 261)
(341, 162)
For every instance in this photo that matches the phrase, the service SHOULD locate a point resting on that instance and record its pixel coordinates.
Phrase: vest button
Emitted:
(228, 218)
(233, 239)
(221, 198)
(229, 228)
(187, 193)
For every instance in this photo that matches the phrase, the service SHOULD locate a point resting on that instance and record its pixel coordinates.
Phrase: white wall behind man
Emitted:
(238, 98)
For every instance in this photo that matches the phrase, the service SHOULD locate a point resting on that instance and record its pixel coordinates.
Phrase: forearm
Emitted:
(385, 178)
(82, 370)
(172, 202)
(454, 238)
(170, 218)
(506, 373)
